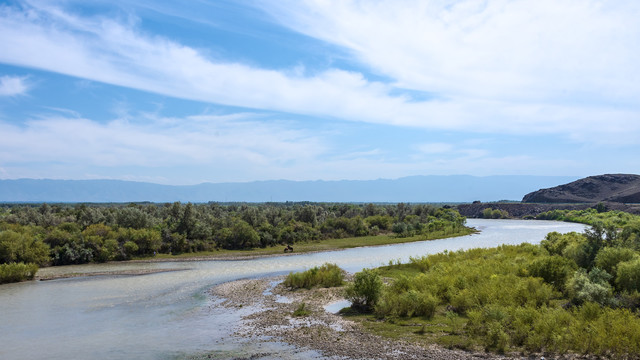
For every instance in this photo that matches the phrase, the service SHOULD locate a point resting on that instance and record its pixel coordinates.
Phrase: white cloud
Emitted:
(13, 85)
(514, 67)
(527, 50)
(204, 140)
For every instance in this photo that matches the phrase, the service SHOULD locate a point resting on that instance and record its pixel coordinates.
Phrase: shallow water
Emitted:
(170, 314)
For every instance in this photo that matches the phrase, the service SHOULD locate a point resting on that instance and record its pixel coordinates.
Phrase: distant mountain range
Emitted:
(453, 188)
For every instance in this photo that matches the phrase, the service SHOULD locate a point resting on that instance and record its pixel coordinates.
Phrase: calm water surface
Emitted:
(170, 315)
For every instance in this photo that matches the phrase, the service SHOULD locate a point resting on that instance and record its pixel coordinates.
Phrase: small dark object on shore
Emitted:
(288, 249)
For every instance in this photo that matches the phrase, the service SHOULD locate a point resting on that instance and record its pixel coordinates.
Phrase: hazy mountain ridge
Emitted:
(453, 188)
(620, 188)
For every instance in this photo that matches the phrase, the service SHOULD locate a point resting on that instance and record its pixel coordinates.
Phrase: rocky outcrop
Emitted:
(616, 188)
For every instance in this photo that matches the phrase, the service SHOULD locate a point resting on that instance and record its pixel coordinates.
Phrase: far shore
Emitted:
(258, 253)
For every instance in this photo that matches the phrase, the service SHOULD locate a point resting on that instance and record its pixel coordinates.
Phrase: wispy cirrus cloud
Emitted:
(13, 85)
(508, 67)
(194, 140)
(524, 50)
(237, 147)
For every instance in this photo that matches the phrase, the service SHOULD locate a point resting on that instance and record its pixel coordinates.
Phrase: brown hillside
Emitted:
(621, 188)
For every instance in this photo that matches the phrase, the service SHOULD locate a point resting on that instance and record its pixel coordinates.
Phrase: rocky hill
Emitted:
(617, 188)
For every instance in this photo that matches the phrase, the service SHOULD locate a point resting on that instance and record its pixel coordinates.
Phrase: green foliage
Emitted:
(22, 247)
(593, 287)
(130, 248)
(365, 290)
(301, 310)
(628, 276)
(554, 270)
(556, 243)
(406, 304)
(240, 236)
(382, 222)
(327, 275)
(16, 272)
(548, 298)
(489, 213)
(608, 258)
(75, 234)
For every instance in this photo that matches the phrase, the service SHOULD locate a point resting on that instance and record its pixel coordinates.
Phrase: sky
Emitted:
(233, 91)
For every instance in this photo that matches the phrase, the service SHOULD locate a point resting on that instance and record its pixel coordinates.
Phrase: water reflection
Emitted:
(169, 314)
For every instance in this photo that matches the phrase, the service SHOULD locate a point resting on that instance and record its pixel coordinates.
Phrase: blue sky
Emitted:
(217, 91)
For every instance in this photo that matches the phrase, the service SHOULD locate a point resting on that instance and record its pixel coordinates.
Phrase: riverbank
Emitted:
(333, 336)
(259, 253)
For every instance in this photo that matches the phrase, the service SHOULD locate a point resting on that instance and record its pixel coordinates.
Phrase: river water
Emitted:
(170, 315)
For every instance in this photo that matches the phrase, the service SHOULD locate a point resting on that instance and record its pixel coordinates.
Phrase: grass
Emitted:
(313, 246)
(440, 329)
(301, 311)
(328, 275)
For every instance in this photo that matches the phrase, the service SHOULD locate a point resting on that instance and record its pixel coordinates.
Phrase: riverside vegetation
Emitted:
(62, 234)
(573, 293)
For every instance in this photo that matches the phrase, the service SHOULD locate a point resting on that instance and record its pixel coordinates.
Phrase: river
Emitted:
(170, 315)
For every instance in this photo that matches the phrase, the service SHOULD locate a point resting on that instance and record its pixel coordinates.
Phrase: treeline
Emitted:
(75, 234)
(574, 292)
(617, 219)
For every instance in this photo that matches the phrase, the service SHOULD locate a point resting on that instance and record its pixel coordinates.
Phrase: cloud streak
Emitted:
(524, 50)
(507, 67)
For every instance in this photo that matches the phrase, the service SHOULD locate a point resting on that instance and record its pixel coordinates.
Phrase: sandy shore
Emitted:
(103, 273)
(325, 332)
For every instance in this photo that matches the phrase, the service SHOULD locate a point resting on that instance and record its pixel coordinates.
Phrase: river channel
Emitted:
(169, 315)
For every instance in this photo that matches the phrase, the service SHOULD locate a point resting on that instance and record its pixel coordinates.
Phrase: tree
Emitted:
(365, 290)
(628, 275)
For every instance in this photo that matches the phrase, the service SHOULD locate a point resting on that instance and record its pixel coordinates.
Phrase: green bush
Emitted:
(16, 272)
(406, 304)
(328, 275)
(608, 258)
(130, 248)
(591, 287)
(532, 292)
(554, 270)
(365, 290)
(628, 276)
(301, 310)
(555, 243)
(22, 247)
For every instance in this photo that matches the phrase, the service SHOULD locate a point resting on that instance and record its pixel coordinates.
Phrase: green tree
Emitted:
(365, 290)
(628, 275)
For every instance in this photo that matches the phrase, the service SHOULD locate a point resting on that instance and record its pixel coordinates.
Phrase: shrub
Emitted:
(462, 301)
(553, 270)
(328, 275)
(21, 247)
(628, 276)
(532, 291)
(555, 243)
(609, 258)
(496, 338)
(130, 248)
(301, 310)
(16, 272)
(365, 290)
(406, 304)
(592, 287)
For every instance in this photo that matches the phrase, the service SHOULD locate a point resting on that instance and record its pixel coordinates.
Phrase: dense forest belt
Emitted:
(522, 210)
(67, 234)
